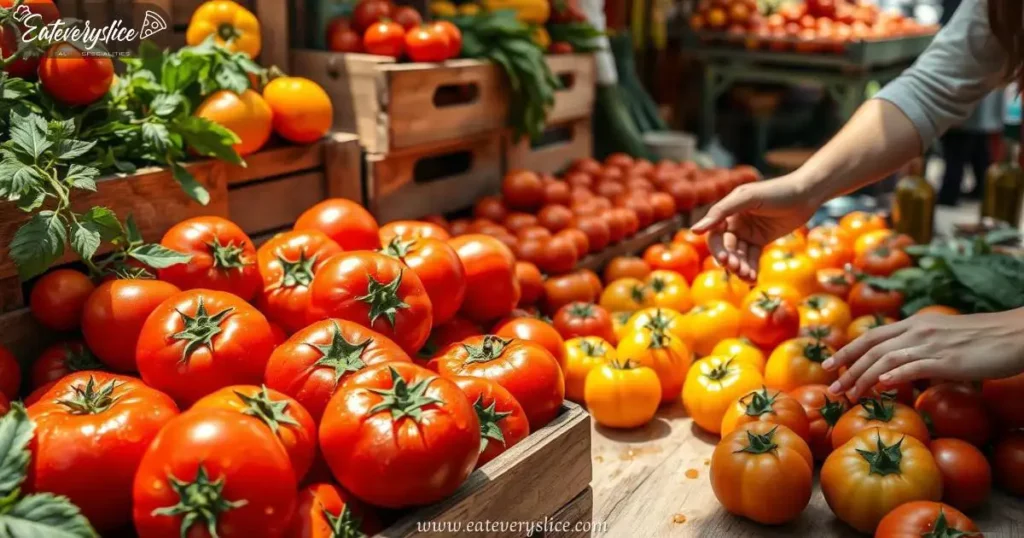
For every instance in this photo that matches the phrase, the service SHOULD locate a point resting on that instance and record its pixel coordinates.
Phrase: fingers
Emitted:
(914, 370)
(853, 379)
(855, 350)
(897, 356)
(738, 200)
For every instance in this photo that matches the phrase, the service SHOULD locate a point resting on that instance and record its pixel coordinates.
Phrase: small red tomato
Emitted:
(384, 38)
(58, 299)
(454, 37)
(427, 44)
(966, 475)
(407, 16)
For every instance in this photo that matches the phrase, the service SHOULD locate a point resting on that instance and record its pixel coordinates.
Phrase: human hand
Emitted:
(752, 216)
(932, 346)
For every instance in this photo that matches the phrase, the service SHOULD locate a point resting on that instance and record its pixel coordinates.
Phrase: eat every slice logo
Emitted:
(83, 32)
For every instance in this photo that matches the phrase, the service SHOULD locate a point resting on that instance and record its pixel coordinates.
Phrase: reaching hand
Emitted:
(752, 216)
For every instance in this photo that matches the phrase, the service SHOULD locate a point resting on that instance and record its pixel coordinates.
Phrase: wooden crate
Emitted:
(434, 178)
(560, 144)
(545, 476)
(578, 73)
(396, 106)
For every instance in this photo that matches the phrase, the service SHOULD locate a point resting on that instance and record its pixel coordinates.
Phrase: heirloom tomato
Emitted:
(797, 362)
(670, 290)
(223, 257)
(955, 410)
(718, 285)
(706, 325)
(456, 330)
(583, 354)
(412, 229)
(626, 295)
(829, 335)
(657, 319)
(54, 363)
(626, 267)
(58, 299)
(120, 307)
(868, 300)
(925, 518)
(492, 290)
(326, 511)
(825, 309)
(621, 394)
(503, 422)
(439, 269)
(966, 475)
(823, 410)
(741, 349)
(829, 255)
(661, 351)
(678, 257)
(863, 324)
(858, 223)
(349, 224)
(245, 114)
(794, 270)
(871, 240)
(769, 321)
(287, 264)
(837, 282)
(712, 385)
(533, 330)
(302, 110)
(879, 413)
(767, 405)
(584, 319)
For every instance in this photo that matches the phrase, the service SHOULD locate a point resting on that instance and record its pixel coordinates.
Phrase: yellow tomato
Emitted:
(232, 26)
(662, 352)
(797, 362)
(793, 242)
(824, 309)
(582, 355)
(718, 285)
(670, 290)
(869, 240)
(830, 234)
(620, 325)
(622, 394)
(740, 349)
(782, 291)
(708, 324)
(626, 295)
(713, 384)
(654, 318)
(864, 324)
(796, 270)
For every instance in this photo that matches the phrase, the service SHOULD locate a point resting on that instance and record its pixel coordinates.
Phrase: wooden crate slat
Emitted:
(343, 167)
(11, 295)
(555, 157)
(274, 161)
(274, 23)
(579, 511)
(657, 232)
(576, 101)
(270, 205)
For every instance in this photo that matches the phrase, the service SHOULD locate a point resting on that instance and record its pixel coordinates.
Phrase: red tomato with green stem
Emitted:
(677, 257)
(10, 373)
(584, 319)
(73, 78)
(456, 330)
(866, 300)
(25, 66)
(326, 511)
(398, 435)
(56, 362)
(120, 307)
(385, 38)
(503, 422)
(966, 475)
(824, 410)
(427, 43)
(223, 257)
(312, 364)
(882, 261)
(213, 469)
(349, 224)
(438, 268)
(492, 289)
(287, 263)
(925, 519)
(94, 429)
(955, 410)
(58, 298)
(769, 321)
(533, 330)
(198, 341)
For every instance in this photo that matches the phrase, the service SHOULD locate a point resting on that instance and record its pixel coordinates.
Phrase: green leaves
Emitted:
(581, 35)
(38, 244)
(208, 138)
(158, 256)
(29, 134)
(188, 182)
(15, 433)
(82, 177)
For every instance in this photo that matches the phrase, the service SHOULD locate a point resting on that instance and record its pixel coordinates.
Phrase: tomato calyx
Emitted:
(619, 364)
(760, 402)
(227, 256)
(658, 284)
(398, 249)
(817, 352)
(591, 349)
(491, 348)
(298, 272)
(815, 302)
(659, 322)
(623, 317)
(767, 303)
(383, 299)
(886, 460)
(200, 330)
(489, 418)
(719, 372)
(402, 399)
(271, 412)
(91, 400)
(818, 332)
(760, 444)
(581, 310)
(941, 529)
(831, 412)
(659, 338)
(877, 409)
(877, 320)
(344, 525)
(80, 359)
(341, 355)
(199, 502)
(637, 293)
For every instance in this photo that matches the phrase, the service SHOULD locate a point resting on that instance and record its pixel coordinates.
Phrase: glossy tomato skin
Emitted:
(53, 363)
(966, 475)
(290, 423)
(712, 385)
(318, 500)
(26, 66)
(919, 518)
(58, 298)
(492, 289)
(208, 446)
(531, 283)
(246, 114)
(385, 38)
(427, 44)
(312, 364)
(456, 330)
(678, 257)
(879, 413)
(412, 229)
(287, 263)
(797, 362)
(438, 268)
(506, 414)
(1008, 463)
(349, 224)
(584, 319)
(97, 438)
(769, 321)
(823, 410)
(1002, 399)
(376, 291)
(626, 267)
(533, 330)
(765, 405)
(708, 324)
(564, 289)
(955, 410)
(223, 257)
(302, 110)
(198, 341)
(10, 373)
(73, 78)
(882, 261)
(867, 300)
(120, 307)
(411, 460)
(525, 369)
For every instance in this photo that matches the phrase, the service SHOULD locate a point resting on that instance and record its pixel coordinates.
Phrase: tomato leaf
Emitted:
(72, 149)
(38, 243)
(167, 105)
(132, 231)
(15, 433)
(85, 239)
(157, 137)
(105, 222)
(29, 134)
(45, 515)
(158, 256)
(188, 182)
(82, 177)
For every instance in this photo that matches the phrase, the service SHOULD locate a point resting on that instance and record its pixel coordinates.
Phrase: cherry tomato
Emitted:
(58, 299)
(346, 222)
(223, 257)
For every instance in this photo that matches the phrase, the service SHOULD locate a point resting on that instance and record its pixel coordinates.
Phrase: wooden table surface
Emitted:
(653, 482)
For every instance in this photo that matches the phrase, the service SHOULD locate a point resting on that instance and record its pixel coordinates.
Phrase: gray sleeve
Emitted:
(961, 66)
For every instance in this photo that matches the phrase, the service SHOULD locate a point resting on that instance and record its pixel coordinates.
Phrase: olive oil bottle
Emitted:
(913, 205)
(1004, 189)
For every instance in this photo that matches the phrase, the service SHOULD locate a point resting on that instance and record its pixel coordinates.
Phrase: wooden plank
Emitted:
(274, 25)
(343, 167)
(574, 520)
(274, 160)
(11, 295)
(545, 471)
(24, 337)
(273, 204)
(655, 233)
(576, 100)
(555, 156)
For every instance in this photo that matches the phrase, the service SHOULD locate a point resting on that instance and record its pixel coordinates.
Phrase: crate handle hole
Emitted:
(443, 166)
(553, 136)
(568, 80)
(456, 94)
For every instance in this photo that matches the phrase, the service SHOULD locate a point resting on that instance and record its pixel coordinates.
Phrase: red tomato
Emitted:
(456, 330)
(324, 508)
(882, 261)
(58, 298)
(533, 330)
(918, 519)
(555, 256)
(556, 218)
(26, 66)
(341, 37)
(1008, 463)
(287, 263)
(866, 300)
(955, 410)
(223, 257)
(412, 229)
(454, 36)
(966, 476)
(522, 190)
(120, 307)
(53, 364)
(311, 365)
(213, 457)
(769, 321)
(407, 16)
(584, 319)
(597, 231)
(369, 12)
(92, 429)
(10, 373)
(531, 283)
(198, 341)
(677, 257)
(346, 222)
(579, 239)
(823, 412)
(698, 242)
(503, 422)
(427, 44)
(397, 435)
(1002, 398)
(279, 335)
(526, 369)
(438, 268)
(492, 290)
(290, 423)
(376, 291)
(490, 208)
(73, 78)
(563, 289)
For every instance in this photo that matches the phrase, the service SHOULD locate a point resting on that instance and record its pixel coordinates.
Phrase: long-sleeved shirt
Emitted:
(963, 64)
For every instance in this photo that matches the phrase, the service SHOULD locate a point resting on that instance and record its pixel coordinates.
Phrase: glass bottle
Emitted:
(913, 205)
(1004, 189)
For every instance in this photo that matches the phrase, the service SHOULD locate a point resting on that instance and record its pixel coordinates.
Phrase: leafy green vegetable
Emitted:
(581, 35)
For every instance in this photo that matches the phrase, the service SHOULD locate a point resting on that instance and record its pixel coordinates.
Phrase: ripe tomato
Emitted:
(863, 324)
(740, 349)
(456, 330)
(73, 78)
(955, 410)
(344, 221)
(490, 208)
(287, 263)
(223, 257)
(120, 307)
(658, 319)
(662, 351)
(763, 472)
(579, 240)
(503, 422)
(412, 229)
(699, 242)
(369, 12)
(795, 270)
(492, 290)
(829, 234)
(564, 289)
(869, 241)
(882, 261)
(939, 309)
(797, 362)
(397, 435)
(247, 115)
(782, 291)
(533, 330)
(791, 242)
(375, 291)
(214, 457)
(879, 413)
(407, 16)
(454, 36)
(302, 111)
(58, 299)
(764, 405)
(386, 38)
(597, 231)
(712, 385)
(53, 364)
(1002, 398)
(26, 66)
(531, 283)
(584, 319)
(718, 285)
(925, 518)
(836, 282)
(427, 44)
(858, 223)
(438, 268)
(827, 334)
(708, 324)
(556, 218)
(621, 394)
(670, 290)
(866, 299)
(876, 471)
(769, 321)
(583, 354)
(324, 508)
(92, 428)
(1008, 463)
(341, 37)
(522, 190)
(626, 295)
(626, 267)
(829, 255)
(555, 256)
(198, 341)
(823, 411)
(824, 309)
(677, 257)
(966, 475)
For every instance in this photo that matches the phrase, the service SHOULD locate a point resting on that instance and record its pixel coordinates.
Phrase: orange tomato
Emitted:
(708, 324)
(867, 299)
(247, 115)
(718, 285)
(670, 290)
(622, 394)
(829, 235)
(859, 223)
(764, 405)
(699, 242)
(880, 413)
(836, 282)
(823, 411)
(662, 352)
(301, 109)
(791, 242)
(782, 291)
(870, 241)
(829, 256)
(658, 319)
(626, 295)
(939, 309)
(740, 349)
(796, 270)
(582, 355)
(824, 309)
(797, 362)
(712, 385)
(626, 267)
(831, 336)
